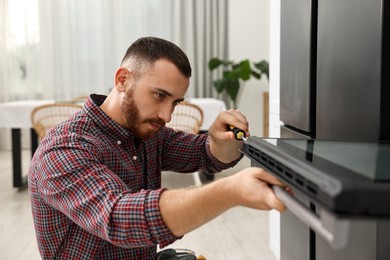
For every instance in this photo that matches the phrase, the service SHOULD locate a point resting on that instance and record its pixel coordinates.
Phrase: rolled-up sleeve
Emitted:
(218, 164)
(137, 222)
(185, 152)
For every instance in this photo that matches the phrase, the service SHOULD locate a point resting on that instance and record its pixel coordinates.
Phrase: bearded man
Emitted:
(95, 179)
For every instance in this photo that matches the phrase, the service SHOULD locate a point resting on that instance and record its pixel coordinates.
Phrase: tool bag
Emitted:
(177, 254)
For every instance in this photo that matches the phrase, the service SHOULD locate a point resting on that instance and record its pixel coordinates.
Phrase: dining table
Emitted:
(16, 115)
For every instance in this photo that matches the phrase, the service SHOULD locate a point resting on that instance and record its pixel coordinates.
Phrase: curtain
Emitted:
(60, 49)
(200, 28)
(18, 47)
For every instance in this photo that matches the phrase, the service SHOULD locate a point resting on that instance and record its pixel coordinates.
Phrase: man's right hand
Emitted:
(252, 187)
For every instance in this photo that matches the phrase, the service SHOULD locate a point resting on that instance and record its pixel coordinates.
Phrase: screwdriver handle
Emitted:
(238, 133)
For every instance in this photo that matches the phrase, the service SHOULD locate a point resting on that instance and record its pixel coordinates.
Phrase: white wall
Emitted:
(249, 38)
(274, 114)
(274, 85)
(255, 34)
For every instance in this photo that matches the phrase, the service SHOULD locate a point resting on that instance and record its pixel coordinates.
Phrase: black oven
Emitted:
(341, 203)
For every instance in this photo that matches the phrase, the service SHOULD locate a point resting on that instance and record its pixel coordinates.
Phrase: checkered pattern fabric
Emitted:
(95, 188)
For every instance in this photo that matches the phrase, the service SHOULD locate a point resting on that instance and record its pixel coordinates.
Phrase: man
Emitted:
(95, 180)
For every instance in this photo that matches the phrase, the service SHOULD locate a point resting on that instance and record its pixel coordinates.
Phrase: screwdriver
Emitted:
(239, 134)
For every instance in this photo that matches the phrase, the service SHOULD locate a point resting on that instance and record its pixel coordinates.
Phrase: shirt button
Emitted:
(134, 157)
(119, 142)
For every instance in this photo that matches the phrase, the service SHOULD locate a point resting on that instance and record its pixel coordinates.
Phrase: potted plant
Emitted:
(234, 74)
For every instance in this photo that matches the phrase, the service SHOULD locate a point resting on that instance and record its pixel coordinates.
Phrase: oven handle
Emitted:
(335, 231)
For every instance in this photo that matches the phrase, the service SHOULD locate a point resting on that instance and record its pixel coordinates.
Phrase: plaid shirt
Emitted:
(95, 188)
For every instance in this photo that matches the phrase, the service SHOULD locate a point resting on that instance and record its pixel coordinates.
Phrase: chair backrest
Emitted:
(45, 117)
(80, 98)
(186, 117)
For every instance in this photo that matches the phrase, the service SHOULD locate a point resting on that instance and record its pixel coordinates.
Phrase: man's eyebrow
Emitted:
(164, 92)
(169, 94)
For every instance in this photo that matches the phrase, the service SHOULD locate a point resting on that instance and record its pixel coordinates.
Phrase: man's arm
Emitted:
(187, 209)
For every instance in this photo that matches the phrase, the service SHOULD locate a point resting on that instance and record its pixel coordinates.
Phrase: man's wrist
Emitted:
(226, 151)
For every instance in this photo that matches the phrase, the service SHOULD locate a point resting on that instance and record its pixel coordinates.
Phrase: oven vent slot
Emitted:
(283, 171)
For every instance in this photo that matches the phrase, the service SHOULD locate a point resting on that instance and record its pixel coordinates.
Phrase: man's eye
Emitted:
(160, 95)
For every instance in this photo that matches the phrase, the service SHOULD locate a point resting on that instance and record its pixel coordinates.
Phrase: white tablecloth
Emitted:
(211, 108)
(17, 114)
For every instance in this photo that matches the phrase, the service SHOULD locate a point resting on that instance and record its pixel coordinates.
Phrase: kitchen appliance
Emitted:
(334, 85)
(334, 69)
(341, 202)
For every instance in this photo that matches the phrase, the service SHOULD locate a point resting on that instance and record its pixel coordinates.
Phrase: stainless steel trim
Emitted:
(335, 231)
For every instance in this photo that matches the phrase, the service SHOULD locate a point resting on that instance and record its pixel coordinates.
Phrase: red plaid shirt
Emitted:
(95, 188)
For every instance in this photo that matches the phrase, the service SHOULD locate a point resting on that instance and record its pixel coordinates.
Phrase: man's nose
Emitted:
(165, 113)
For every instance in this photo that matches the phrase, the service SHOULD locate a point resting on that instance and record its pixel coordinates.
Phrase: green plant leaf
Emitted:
(214, 63)
(245, 70)
(232, 89)
(232, 74)
(236, 66)
(240, 70)
(220, 84)
(263, 67)
(256, 74)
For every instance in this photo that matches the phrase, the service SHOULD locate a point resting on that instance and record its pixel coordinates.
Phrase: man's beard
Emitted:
(132, 116)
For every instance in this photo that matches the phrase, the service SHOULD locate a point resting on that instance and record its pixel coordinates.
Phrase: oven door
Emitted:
(313, 227)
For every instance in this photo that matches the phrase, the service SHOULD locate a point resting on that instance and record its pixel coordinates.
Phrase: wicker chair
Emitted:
(186, 117)
(45, 117)
(80, 98)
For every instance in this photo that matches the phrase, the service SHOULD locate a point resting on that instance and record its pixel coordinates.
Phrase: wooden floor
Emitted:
(237, 234)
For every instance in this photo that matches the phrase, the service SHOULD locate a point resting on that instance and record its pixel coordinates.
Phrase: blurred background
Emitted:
(62, 49)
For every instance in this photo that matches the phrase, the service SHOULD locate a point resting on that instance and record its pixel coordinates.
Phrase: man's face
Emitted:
(134, 121)
(148, 103)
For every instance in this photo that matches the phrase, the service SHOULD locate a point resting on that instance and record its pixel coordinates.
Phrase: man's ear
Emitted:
(121, 76)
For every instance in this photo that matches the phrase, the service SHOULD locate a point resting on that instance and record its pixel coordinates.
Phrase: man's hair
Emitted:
(146, 51)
